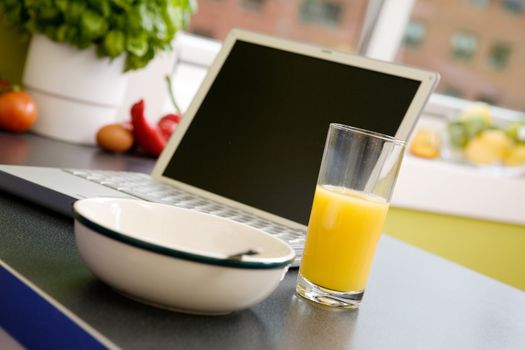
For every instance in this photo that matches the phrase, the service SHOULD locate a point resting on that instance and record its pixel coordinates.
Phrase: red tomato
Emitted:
(17, 111)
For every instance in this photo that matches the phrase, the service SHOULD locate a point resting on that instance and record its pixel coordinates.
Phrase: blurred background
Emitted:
(476, 45)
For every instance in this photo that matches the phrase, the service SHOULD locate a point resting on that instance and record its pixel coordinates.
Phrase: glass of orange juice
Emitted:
(357, 176)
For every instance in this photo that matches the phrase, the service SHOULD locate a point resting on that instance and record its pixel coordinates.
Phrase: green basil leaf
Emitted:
(74, 12)
(92, 24)
(72, 35)
(115, 43)
(61, 5)
(49, 13)
(138, 29)
(118, 22)
(102, 7)
(137, 45)
(147, 17)
(82, 43)
(61, 33)
(136, 62)
(50, 32)
(123, 4)
(33, 26)
(133, 22)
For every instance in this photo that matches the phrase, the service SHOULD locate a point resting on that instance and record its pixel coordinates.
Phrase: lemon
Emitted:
(516, 156)
(477, 110)
(426, 144)
(489, 147)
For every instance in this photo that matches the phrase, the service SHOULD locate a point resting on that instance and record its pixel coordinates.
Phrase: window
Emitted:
(255, 5)
(464, 45)
(499, 55)
(414, 33)
(421, 33)
(480, 3)
(515, 6)
(321, 12)
(493, 72)
(335, 24)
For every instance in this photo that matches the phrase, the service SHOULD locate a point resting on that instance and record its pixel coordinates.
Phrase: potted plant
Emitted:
(80, 50)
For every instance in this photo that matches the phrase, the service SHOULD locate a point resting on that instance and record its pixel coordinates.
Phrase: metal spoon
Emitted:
(238, 256)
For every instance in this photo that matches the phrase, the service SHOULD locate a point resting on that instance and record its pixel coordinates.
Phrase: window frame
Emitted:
(325, 20)
(381, 38)
(415, 37)
(501, 46)
(460, 42)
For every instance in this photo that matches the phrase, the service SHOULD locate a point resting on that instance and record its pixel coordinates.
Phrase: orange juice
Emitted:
(344, 228)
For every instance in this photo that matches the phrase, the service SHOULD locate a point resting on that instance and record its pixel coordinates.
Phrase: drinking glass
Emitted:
(355, 183)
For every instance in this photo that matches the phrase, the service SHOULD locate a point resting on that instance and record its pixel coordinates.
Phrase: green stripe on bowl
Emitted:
(177, 253)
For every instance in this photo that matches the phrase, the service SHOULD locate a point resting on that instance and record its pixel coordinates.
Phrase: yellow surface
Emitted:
(12, 59)
(342, 235)
(494, 249)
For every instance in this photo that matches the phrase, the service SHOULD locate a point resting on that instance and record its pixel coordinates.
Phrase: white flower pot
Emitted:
(75, 91)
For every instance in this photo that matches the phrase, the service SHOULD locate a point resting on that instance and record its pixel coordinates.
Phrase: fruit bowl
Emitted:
(478, 138)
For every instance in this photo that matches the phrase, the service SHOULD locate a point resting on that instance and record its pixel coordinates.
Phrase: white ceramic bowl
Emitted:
(177, 258)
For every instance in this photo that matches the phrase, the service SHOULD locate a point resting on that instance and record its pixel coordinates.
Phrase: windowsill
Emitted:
(446, 106)
(445, 188)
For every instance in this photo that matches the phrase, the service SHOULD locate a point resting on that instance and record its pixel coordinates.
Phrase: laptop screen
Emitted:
(258, 136)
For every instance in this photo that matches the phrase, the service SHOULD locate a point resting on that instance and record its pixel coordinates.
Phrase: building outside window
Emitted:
(464, 45)
(474, 44)
(322, 12)
(515, 6)
(336, 24)
(487, 44)
(414, 33)
(480, 3)
(255, 5)
(499, 55)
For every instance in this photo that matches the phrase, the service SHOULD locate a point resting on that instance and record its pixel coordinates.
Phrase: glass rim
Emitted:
(369, 133)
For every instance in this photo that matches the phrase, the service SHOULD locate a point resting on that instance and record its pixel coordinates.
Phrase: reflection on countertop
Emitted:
(34, 150)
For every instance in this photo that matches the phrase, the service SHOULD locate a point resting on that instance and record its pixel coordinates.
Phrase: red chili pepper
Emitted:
(174, 117)
(168, 123)
(149, 137)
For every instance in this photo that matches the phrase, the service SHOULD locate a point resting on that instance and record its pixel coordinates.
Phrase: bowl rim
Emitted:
(275, 263)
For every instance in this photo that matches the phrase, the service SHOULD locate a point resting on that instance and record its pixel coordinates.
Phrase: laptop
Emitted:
(250, 144)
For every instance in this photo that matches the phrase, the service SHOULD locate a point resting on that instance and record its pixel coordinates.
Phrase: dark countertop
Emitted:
(414, 300)
(30, 149)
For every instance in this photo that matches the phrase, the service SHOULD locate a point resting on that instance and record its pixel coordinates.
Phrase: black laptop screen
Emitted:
(258, 136)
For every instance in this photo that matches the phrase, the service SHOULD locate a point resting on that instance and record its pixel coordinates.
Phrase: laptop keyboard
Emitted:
(144, 187)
